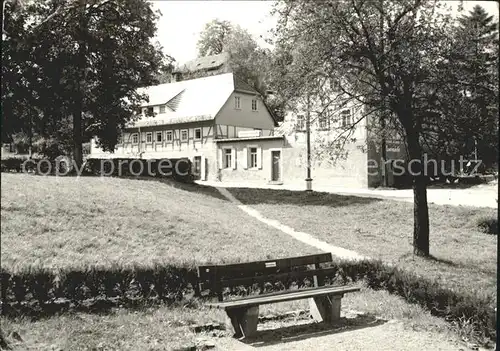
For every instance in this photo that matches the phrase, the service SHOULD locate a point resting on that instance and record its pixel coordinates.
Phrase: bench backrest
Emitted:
(216, 277)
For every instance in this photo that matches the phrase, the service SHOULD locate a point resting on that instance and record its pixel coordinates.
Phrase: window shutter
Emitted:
(259, 157)
(219, 157)
(233, 158)
(245, 158)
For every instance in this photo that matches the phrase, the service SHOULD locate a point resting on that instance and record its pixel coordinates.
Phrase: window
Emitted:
(149, 137)
(159, 137)
(300, 123)
(227, 158)
(323, 121)
(184, 135)
(253, 157)
(237, 102)
(135, 138)
(346, 118)
(150, 110)
(162, 108)
(197, 134)
(254, 105)
(169, 136)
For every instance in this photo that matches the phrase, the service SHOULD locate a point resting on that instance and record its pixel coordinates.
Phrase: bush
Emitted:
(49, 147)
(488, 225)
(21, 142)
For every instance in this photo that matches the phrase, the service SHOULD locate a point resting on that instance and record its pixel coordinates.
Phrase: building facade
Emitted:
(223, 126)
(187, 118)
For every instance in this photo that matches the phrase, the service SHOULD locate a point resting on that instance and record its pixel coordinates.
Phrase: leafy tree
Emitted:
(381, 54)
(469, 100)
(83, 65)
(213, 37)
(247, 59)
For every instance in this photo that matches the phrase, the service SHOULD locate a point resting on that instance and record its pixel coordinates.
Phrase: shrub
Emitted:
(21, 142)
(50, 148)
(488, 225)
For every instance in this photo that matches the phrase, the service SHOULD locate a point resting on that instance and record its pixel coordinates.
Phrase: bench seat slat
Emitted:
(289, 295)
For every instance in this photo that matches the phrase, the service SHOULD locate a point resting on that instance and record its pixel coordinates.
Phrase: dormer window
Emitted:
(237, 102)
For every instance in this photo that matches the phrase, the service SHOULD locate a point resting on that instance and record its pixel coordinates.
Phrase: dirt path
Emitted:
(392, 335)
(301, 236)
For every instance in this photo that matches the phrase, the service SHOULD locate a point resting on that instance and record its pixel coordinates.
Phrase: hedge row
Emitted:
(178, 169)
(164, 283)
(44, 286)
(36, 165)
(13, 164)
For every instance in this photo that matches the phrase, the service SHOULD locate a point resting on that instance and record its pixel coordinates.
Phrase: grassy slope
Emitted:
(464, 257)
(62, 222)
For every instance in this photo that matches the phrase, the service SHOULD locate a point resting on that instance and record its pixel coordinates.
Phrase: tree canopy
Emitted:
(387, 55)
(247, 59)
(82, 66)
(468, 102)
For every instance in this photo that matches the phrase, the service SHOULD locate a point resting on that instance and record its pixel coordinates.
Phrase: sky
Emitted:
(182, 21)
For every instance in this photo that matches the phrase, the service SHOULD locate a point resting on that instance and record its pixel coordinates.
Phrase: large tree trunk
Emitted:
(420, 208)
(78, 105)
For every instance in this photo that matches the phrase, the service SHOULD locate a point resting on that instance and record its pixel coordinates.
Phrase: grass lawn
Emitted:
(171, 328)
(71, 222)
(463, 256)
(63, 222)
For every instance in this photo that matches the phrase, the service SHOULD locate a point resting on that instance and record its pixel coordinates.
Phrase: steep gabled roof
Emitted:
(189, 100)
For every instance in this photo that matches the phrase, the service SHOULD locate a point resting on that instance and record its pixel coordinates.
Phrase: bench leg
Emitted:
(325, 308)
(244, 321)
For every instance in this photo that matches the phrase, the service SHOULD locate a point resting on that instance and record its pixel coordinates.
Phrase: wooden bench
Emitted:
(243, 312)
